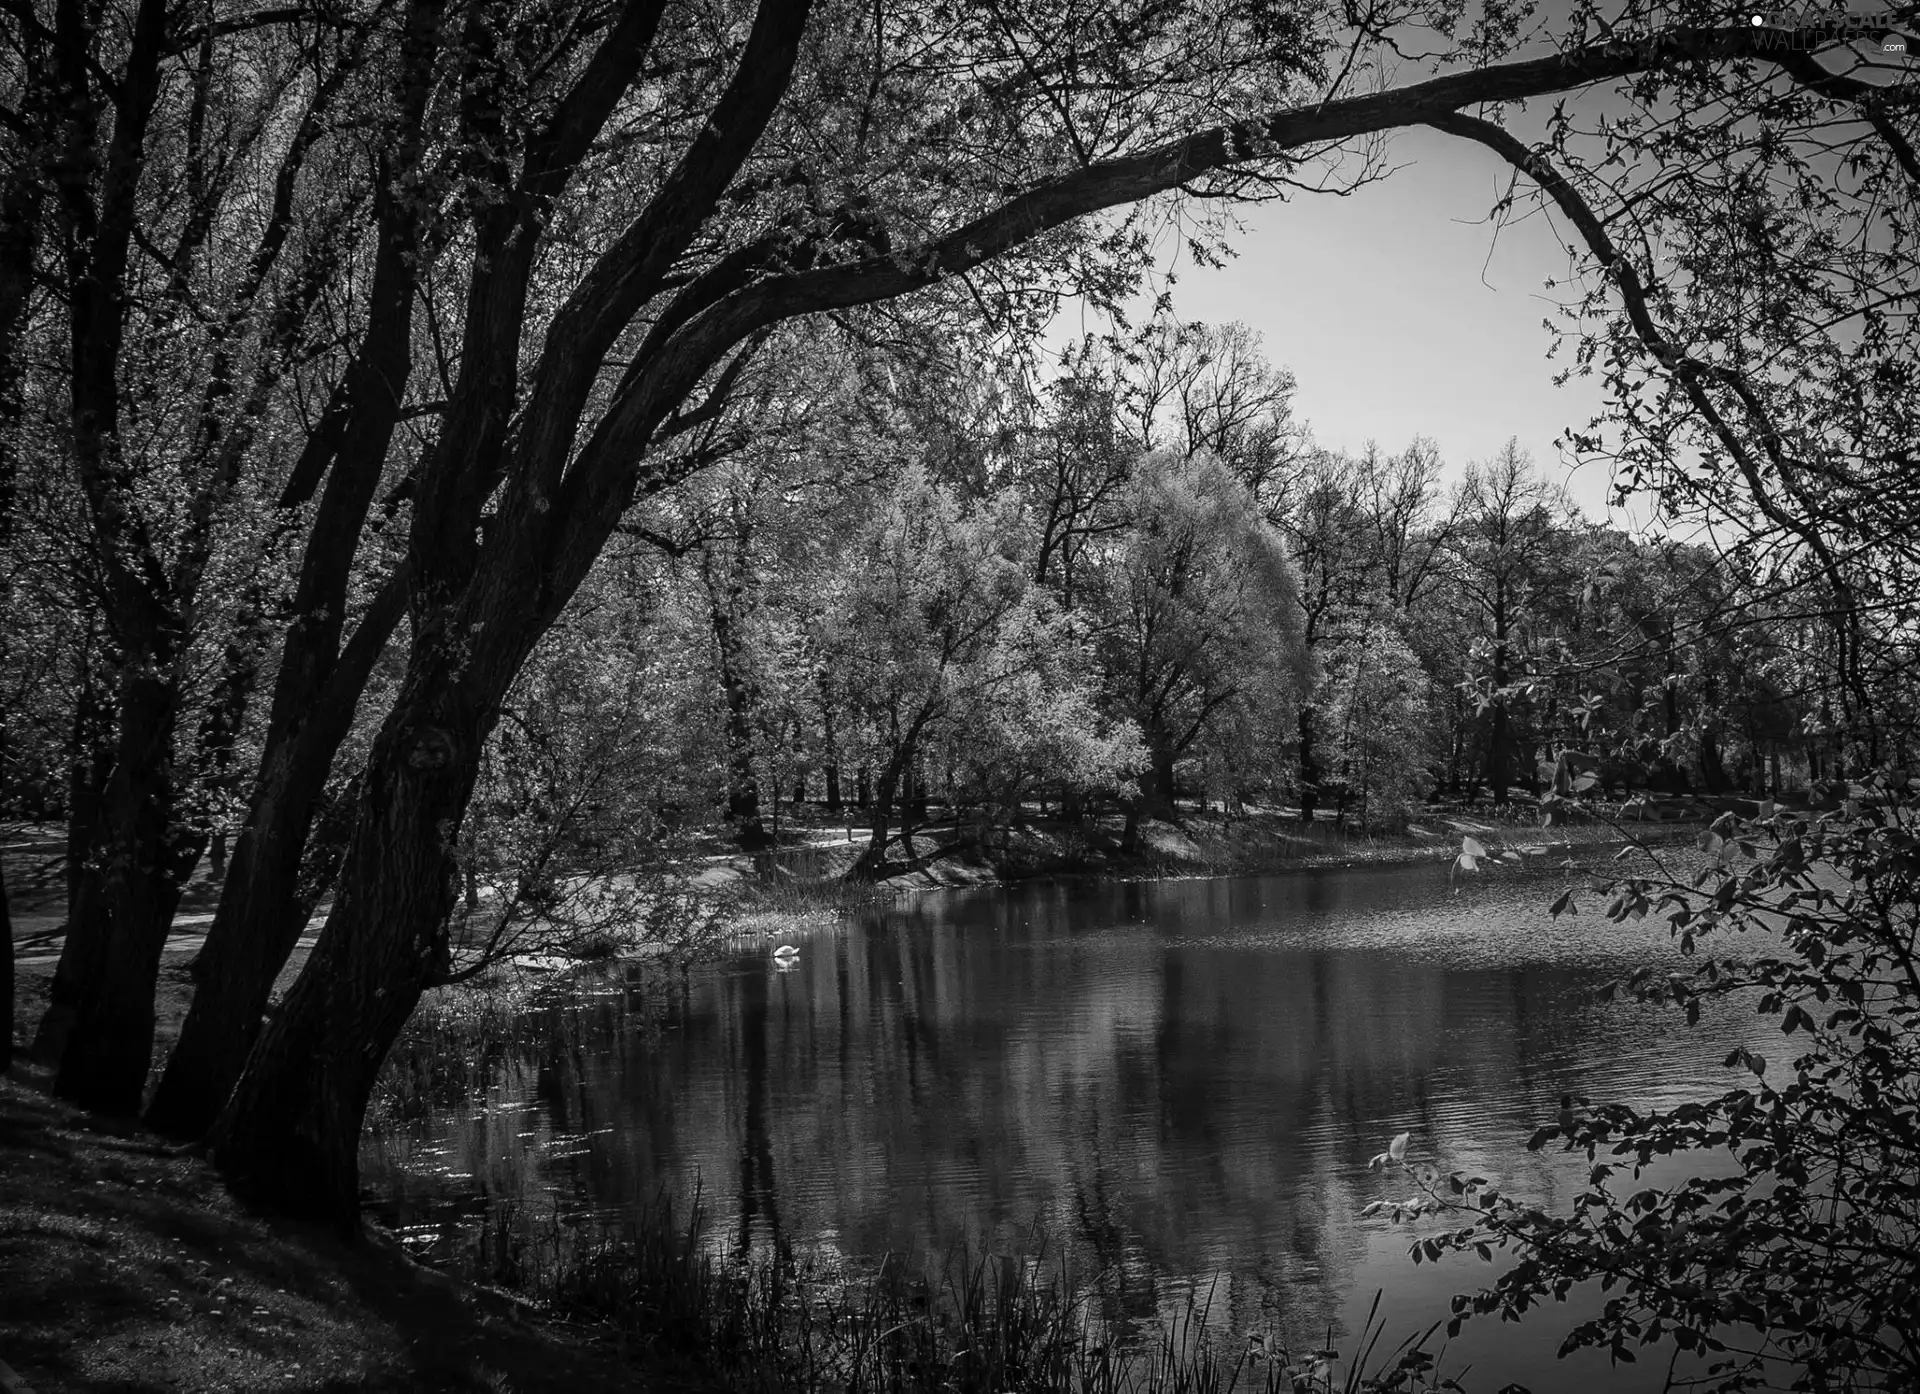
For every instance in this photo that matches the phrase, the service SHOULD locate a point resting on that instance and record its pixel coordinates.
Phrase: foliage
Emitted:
(1197, 606)
(1378, 727)
(571, 845)
(1795, 1250)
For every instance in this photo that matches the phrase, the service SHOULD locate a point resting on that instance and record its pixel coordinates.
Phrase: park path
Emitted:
(189, 932)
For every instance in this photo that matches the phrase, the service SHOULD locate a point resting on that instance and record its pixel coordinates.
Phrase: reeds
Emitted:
(777, 1321)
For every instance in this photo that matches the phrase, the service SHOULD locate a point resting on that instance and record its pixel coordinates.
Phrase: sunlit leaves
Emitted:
(1697, 1260)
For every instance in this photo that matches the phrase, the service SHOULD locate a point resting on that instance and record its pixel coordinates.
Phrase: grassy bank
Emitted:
(126, 1266)
(800, 881)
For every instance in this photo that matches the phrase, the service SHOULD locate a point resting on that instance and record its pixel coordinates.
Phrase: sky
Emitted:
(1400, 312)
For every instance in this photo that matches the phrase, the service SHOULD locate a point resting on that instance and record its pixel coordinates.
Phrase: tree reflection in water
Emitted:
(1177, 1083)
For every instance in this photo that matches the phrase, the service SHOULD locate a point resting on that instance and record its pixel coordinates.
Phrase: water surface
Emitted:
(1179, 1082)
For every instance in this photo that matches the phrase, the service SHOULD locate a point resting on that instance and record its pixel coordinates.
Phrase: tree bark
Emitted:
(886, 790)
(1309, 766)
(89, 764)
(263, 906)
(143, 859)
(1157, 790)
(743, 786)
(1499, 769)
(290, 1130)
(6, 978)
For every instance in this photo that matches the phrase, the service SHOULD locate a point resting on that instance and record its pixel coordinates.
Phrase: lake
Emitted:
(1179, 1082)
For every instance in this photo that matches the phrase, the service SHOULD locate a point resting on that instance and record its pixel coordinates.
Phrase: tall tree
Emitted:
(175, 357)
(1198, 615)
(1508, 559)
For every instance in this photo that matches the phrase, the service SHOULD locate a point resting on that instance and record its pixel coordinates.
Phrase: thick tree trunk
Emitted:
(1157, 788)
(263, 904)
(133, 888)
(254, 929)
(1499, 768)
(261, 910)
(289, 1134)
(89, 764)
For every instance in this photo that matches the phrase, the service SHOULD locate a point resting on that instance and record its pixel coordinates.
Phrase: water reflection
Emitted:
(1179, 1082)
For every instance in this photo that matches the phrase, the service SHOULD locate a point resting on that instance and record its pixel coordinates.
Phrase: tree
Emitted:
(1508, 566)
(1199, 387)
(936, 623)
(1378, 726)
(1326, 524)
(163, 472)
(1758, 370)
(1198, 614)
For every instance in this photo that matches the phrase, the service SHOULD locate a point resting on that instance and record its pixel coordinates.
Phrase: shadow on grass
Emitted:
(125, 1266)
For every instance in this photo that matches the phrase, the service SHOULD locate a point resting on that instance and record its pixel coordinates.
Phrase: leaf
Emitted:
(1471, 848)
(1397, 1149)
(1466, 863)
(1564, 905)
(1585, 782)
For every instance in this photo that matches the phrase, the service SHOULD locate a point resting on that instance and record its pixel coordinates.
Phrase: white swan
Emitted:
(786, 952)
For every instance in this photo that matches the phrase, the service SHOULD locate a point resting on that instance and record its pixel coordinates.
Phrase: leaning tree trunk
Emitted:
(879, 827)
(885, 791)
(261, 909)
(263, 906)
(89, 765)
(289, 1133)
(255, 927)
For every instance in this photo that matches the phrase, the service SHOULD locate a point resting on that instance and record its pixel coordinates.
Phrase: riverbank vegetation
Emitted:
(1798, 1265)
(464, 464)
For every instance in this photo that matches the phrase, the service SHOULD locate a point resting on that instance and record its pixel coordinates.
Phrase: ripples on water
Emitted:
(1180, 1082)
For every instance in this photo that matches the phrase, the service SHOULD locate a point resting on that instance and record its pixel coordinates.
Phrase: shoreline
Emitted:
(1200, 847)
